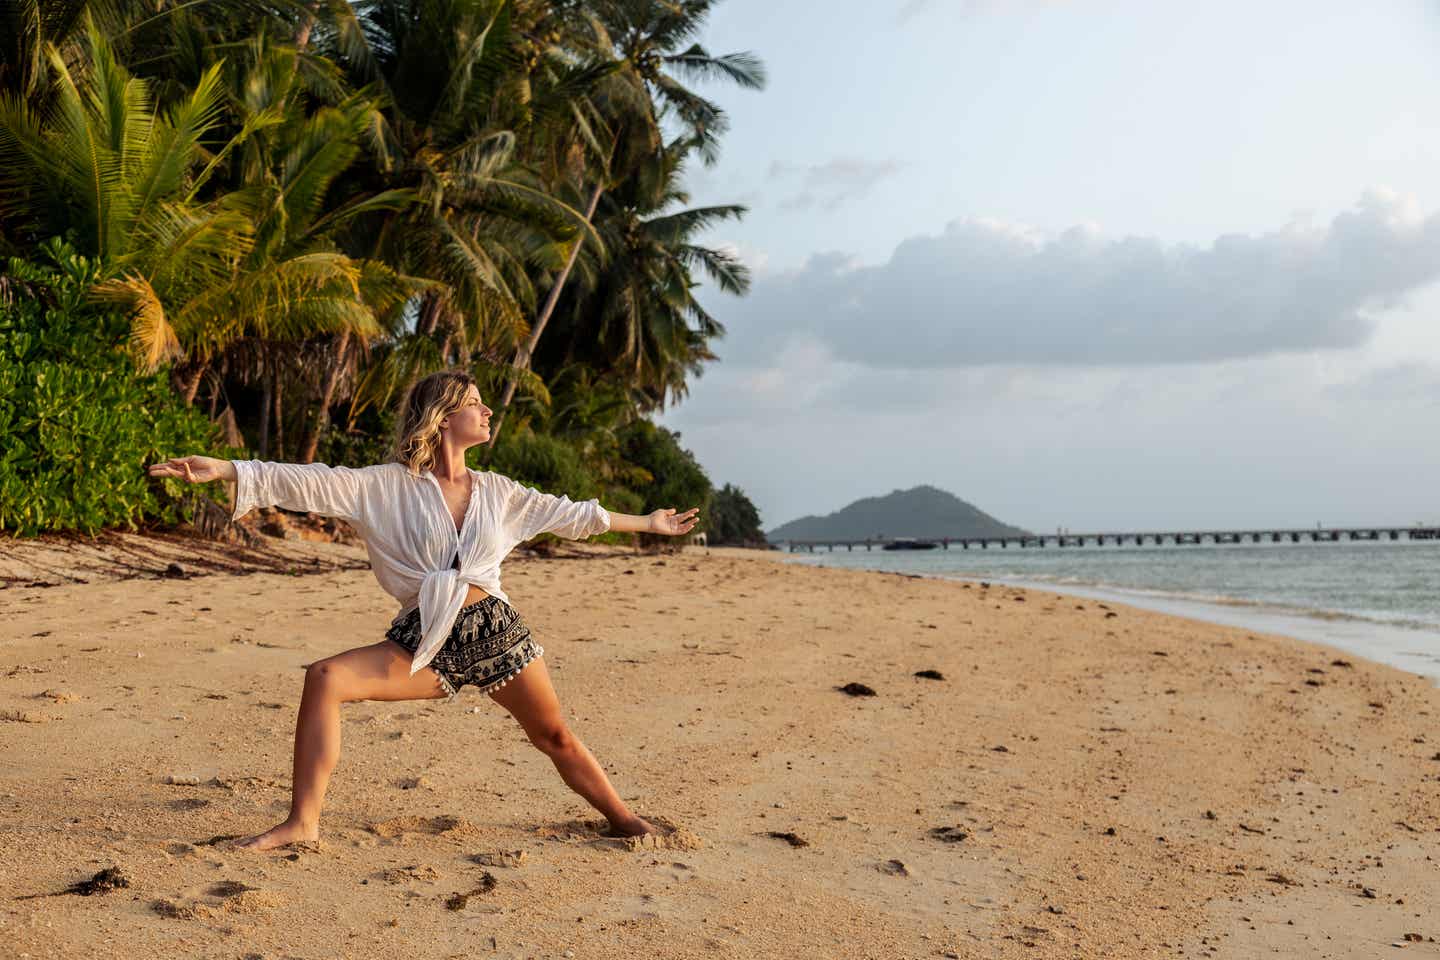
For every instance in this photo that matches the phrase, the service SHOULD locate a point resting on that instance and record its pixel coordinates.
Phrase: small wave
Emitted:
(1159, 593)
(1272, 607)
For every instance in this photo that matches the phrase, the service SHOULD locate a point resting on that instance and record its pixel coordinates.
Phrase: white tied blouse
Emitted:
(410, 533)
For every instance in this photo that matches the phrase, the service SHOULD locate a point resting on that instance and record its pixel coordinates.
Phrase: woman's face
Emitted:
(470, 425)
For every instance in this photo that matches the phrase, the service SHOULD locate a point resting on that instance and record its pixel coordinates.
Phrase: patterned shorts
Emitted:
(488, 645)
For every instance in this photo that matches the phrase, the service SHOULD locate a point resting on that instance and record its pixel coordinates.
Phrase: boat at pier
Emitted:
(911, 545)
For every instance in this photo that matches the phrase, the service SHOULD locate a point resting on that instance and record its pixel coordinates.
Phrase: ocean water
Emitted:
(1379, 600)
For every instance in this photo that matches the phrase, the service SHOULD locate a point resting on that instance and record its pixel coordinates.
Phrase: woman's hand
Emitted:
(671, 524)
(194, 469)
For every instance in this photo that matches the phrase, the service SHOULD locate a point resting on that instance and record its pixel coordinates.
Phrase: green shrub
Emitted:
(543, 462)
(678, 479)
(555, 466)
(733, 518)
(78, 423)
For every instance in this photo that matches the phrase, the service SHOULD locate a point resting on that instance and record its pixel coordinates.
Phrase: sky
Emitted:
(1093, 265)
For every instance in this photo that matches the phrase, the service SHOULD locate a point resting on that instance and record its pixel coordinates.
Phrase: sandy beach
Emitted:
(1077, 779)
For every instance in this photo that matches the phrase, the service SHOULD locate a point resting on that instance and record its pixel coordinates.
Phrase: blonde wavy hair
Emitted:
(428, 401)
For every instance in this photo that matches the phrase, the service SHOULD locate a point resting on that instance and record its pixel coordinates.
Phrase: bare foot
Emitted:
(278, 836)
(634, 827)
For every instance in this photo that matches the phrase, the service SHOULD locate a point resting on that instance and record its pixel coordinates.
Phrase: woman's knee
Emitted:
(554, 739)
(322, 677)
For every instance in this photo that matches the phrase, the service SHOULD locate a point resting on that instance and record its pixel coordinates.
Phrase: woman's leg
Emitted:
(531, 700)
(380, 671)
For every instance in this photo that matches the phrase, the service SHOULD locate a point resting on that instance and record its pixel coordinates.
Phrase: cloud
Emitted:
(828, 186)
(986, 292)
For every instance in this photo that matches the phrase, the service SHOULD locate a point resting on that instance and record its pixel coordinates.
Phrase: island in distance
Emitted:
(920, 512)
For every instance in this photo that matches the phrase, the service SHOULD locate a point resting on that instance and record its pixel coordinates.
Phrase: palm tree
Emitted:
(195, 276)
(102, 165)
(460, 111)
(648, 36)
(646, 42)
(639, 317)
(26, 28)
(159, 41)
(287, 174)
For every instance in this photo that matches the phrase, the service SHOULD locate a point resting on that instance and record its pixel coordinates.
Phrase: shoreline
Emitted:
(1394, 644)
(1390, 644)
(1083, 779)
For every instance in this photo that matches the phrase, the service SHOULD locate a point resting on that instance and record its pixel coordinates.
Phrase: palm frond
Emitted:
(676, 228)
(390, 371)
(184, 247)
(319, 151)
(492, 378)
(79, 154)
(702, 117)
(722, 266)
(169, 155)
(744, 69)
(152, 339)
(385, 201)
(470, 59)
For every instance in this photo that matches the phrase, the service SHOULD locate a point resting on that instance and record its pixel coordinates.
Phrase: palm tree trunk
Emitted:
(429, 315)
(192, 384)
(279, 416)
(267, 396)
(311, 441)
(307, 24)
(526, 351)
(228, 424)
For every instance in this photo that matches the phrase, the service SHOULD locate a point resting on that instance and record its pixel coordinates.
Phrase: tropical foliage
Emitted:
(734, 519)
(75, 413)
(287, 210)
(675, 477)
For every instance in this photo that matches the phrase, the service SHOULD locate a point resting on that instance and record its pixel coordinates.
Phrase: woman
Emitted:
(436, 533)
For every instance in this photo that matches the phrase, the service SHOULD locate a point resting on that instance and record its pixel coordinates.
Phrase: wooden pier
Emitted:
(1155, 538)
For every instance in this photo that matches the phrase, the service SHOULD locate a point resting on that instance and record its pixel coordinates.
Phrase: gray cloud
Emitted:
(829, 185)
(985, 293)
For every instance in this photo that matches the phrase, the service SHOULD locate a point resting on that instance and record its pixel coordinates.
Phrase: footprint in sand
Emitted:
(225, 898)
(188, 803)
(669, 835)
(500, 858)
(415, 872)
(678, 871)
(452, 828)
(22, 716)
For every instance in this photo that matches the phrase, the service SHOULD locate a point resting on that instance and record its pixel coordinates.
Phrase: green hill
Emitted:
(919, 512)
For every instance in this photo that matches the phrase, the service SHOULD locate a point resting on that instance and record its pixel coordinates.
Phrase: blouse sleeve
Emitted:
(311, 487)
(532, 513)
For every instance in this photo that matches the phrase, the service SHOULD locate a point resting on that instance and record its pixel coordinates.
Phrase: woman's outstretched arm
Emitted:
(312, 487)
(665, 522)
(531, 513)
